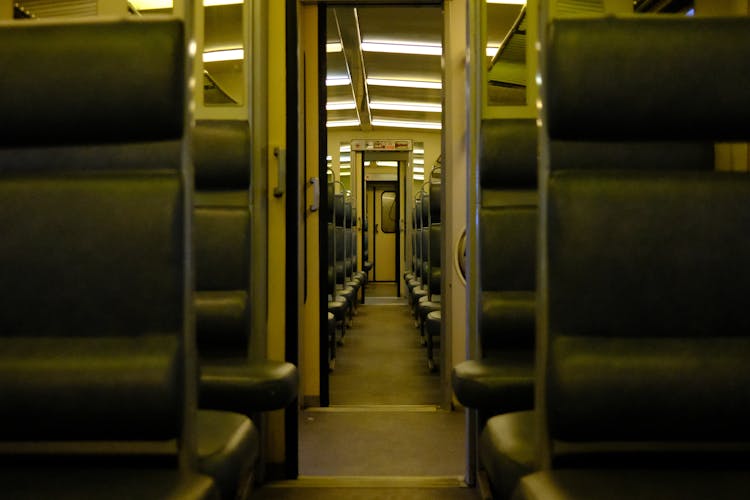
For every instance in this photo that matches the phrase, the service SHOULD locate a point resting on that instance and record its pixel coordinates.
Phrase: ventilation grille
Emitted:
(59, 8)
(573, 7)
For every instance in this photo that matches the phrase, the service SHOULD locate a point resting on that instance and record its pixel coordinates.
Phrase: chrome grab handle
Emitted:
(315, 205)
(280, 155)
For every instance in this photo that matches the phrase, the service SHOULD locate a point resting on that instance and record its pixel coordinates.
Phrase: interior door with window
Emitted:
(385, 228)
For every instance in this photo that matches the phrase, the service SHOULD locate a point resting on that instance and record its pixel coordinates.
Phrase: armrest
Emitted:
(247, 388)
(499, 384)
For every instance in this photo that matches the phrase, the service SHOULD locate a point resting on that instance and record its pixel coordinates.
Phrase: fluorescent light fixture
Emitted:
(345, 149)
(507, 2)
(418, 177)
(419, 151)
(387, 163)
(224, 55)
(167, 4)
(407, 106)
(418, 170)
(342, 123)
(151, 4)
(334, 47)
(329, 158)
(399, 47)
(411, 84)
(418, 161)
(338, 81)
(345, 166)
(340, 105)
(367, 164)
(345, 158)
(217, 3)
(407, 124)
(491, 50)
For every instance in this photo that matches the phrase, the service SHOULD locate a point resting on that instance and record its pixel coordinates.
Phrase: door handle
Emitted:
(315, 205)
(376, 228)
(280, 155)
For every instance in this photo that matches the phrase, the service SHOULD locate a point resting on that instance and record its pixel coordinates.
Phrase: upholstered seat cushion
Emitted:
(432, 323)
(626, 484)
(507, 450)
(500, 383)
(247, 386)
(337, 308)
(73, 482)
(426, 307)
(228, 448)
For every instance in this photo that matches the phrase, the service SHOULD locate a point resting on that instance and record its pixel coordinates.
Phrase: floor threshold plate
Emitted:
(371, 482)
(375, 409)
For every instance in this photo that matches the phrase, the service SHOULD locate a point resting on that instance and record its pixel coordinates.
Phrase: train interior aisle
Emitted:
(377, 437)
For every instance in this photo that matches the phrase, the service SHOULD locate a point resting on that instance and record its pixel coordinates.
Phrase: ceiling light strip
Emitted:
(338, 81)
(342, 123)
(333, 47)
(402, 48)
(340, 105)
(217, 3)
(407, 106)
(168, 4)
(411, 84)
(406, 124)
(224, 55)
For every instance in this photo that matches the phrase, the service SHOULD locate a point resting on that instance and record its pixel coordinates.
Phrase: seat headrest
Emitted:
(107, 81)
(647, 78)
(631, 155)
(508, 153)
(221, 154)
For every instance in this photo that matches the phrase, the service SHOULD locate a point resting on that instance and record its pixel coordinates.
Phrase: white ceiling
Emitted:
(364, 68)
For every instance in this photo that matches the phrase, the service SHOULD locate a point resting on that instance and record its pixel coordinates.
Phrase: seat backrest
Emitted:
(507, 233)
(349, 239)
(221, 158)
(643, 323)
(339, 252)
(331, 260)
(435, 236)
(419, 249)
(95, 341)
(330, 191)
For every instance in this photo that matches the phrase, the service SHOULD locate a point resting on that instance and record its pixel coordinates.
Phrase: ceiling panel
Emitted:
(386, 25)
(413, 24)
(429, 96)
(403, 66)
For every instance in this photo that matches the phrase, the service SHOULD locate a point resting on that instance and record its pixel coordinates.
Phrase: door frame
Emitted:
(455, 151)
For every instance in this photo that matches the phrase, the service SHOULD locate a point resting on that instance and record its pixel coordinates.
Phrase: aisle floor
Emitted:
(384, 418)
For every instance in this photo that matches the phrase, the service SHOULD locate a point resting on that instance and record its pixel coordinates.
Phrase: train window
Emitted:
(224, 80)
(505, 52)
(345, 164)
(418, 166)
(388, 212)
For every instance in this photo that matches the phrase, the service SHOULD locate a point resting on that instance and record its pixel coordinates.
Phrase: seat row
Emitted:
(628, 322)
(423, 280)
(345, 281)
(115, 259)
